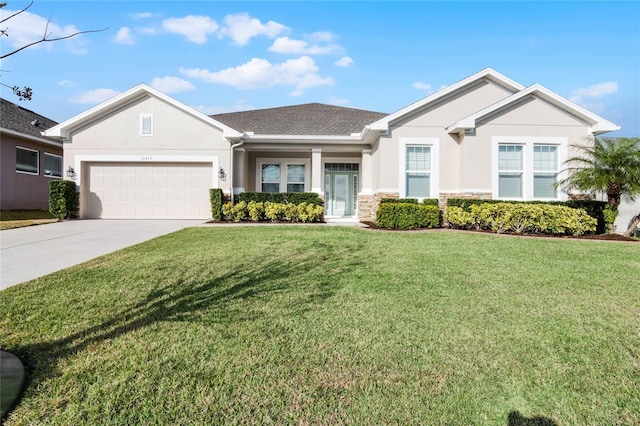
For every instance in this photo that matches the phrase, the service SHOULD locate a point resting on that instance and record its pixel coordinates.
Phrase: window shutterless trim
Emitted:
(142, 121)
(61, 165)
(37, 172)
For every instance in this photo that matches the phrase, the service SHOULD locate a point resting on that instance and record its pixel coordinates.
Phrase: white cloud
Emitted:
(194, 27)
(345, 62)
(422, 86)
(290, 46)
(27, 27)
(301, 73)
(321, 36)
(95, 96)
(170, 84)
(142, 15)
(242, 27)
(67, 83)
(124, 36)
(594, 92)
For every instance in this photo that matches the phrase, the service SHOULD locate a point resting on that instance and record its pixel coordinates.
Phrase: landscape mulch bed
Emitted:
(601, 237)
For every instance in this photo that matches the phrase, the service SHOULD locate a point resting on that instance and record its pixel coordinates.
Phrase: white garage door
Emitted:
(148, 190)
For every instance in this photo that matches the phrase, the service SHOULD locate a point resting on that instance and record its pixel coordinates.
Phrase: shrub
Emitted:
(281, 197)
(216, 197)
(227, 210)
(256, 210)
(63, 199)
(431, 202)
(399, 200)
(407, 216)
(521, 218)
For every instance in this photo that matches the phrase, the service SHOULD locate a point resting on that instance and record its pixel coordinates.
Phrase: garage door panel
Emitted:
(154, 190)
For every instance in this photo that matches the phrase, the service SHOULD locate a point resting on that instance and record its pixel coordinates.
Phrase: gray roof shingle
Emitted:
(305, 119)
(18, 119)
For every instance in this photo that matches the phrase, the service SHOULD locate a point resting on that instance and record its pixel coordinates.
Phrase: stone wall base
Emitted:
(368, 204)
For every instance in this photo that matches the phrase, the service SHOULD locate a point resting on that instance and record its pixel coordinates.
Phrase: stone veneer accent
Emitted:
(368, 204)
(444, 196)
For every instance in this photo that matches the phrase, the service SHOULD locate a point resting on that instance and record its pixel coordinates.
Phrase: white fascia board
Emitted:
(597, 123)
(292, 139)
(62, 130)
(491, 74)
(30, 138)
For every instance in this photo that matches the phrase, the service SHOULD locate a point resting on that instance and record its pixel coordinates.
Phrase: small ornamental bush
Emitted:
(407, 216)
(216, 197)
(63, 199)
(281, 197)
(256, 211)
(275, 212)
(399, 200)
(521, 218)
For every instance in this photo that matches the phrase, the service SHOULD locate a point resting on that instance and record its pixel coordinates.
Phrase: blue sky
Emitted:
(380, 56)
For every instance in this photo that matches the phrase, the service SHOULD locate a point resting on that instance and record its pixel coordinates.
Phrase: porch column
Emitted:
(238, 171)
(366, 172)
(316, 170)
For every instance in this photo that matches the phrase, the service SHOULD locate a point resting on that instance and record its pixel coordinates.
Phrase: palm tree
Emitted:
(609, 165)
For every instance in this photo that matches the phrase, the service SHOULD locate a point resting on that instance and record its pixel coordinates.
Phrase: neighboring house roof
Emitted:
(301, 120)
(487, 73)
(597, 124)
(24, 123)
(138, 92)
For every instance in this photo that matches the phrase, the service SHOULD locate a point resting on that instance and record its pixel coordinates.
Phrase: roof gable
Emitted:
(597, 124)
(439, 96)
(301, 120)
(63, 129)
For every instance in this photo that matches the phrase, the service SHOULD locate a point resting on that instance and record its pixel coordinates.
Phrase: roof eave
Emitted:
(30, 137)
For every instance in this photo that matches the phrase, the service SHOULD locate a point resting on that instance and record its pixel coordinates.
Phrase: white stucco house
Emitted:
(142, 154)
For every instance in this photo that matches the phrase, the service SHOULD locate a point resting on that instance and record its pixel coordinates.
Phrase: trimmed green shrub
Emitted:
(63, 199)
(407, 216)
(521, 218)
(276, 212)
(281, 197)
(399, 200)
(216, 197)
(256, 211)
(593, 208)
(431, 202)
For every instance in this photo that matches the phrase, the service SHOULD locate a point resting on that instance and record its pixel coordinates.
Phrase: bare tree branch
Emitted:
(17, 13)
(45, 39)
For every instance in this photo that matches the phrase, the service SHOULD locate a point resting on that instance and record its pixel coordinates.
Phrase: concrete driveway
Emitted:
(34, 251)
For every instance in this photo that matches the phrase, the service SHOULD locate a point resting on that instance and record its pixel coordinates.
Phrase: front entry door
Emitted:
(342, 185)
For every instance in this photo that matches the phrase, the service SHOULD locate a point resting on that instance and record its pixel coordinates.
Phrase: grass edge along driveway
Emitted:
(323, 325)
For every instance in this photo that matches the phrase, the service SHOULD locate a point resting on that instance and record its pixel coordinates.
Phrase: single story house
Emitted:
(28, 159)
(143, 154)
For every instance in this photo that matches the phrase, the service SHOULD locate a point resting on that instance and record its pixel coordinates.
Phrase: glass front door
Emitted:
(342, 185)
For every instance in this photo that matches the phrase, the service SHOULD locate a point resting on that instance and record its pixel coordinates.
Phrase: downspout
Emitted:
(233, 147)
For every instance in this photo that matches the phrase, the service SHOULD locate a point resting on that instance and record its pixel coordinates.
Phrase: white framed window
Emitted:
(52, 166)
(27, 161)
(270, 178)
(283, 175)
(510, 166)
(545, 171)
(146, 125)
(527, 168)
(418, 167)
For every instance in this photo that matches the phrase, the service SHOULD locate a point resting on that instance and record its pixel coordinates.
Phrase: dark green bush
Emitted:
(281, 197)
(407, 216)
(216, 197)
(63, 199)
(431, 202)
(593, 208)
(399, 200)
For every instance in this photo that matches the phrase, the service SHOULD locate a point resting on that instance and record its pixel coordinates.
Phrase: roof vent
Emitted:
(35, 122)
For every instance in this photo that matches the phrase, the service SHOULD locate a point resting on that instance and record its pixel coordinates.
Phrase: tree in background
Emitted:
(25, 93)
(610, 166)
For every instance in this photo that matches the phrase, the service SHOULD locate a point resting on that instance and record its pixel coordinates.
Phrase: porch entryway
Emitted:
(341, 187)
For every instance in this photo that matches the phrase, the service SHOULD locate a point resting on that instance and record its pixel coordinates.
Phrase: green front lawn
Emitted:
(324, 325)
(10, 219)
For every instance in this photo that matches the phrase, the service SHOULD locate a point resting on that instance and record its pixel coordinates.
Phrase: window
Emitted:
(270, 178)
(295, 178)
(146, 125)
(418, 171)
(510, 171)
(545, 171)
(52, 165)
(27, 161)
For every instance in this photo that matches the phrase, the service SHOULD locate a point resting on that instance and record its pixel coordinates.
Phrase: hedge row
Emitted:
(426, 201)
(216, 197)
(407, 216)
(256, 211)
(593, 208)
(521, 218)
(63, 199)
(281, 197)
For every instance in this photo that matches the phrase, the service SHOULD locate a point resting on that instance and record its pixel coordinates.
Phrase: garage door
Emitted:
(148, 190)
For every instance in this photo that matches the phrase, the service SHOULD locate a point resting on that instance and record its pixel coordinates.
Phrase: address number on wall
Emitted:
(146, 158)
